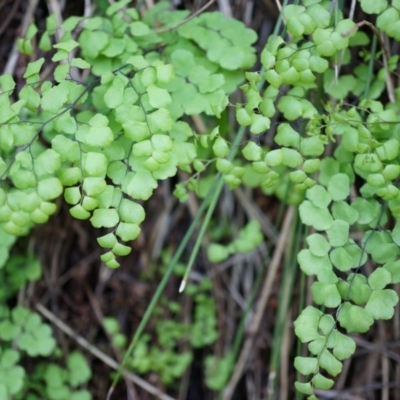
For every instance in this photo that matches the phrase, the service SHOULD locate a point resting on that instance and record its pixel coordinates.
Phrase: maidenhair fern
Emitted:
(109, 124)
(113, 138)
(365, 142)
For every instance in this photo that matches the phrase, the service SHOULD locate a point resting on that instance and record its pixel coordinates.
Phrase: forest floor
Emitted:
(77, 292)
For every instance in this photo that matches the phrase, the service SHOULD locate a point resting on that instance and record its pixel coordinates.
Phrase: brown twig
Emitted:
(99, 354)
(10, 16)
(199, 11)
(265, 293)
(385, 54)
(14, 54)
(100, 318)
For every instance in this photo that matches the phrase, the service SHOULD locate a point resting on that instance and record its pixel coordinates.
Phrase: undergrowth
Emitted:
(111, 122)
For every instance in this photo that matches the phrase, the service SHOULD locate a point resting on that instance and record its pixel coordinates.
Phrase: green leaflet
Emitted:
(319, 218)
(354, 318)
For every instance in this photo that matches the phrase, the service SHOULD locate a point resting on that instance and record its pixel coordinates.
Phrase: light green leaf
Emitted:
(327, 361)
(224, 166)
(274, 158)
(338, 233)
(327, 275)
(325, 294)
(107, 241)
(128, 231)
(95, 164)
(306, 324)
(354, 318)
(67, 46)
(70, 176)
(160, 121)
(161, 143)
(366, 211)
(54, 98)
(33, 68)
(312, 146)
(339, 187)
(121, 250)
(259, 124)
(65, 124)
(328, 168)
(141, 185)
(47, 163)
(138, 28)
(358, 255)
(287, 136)
(30, 96)
(326, 324)
(343, 211)
(89, 203)
(217, 253)
(379, 279)
(305, 387)
(350, 139)
(252, 151)
(165, 73)
(131, 212)
(220, 147)
(318, 245)
(290, 107)
(7, 83)
(79, 370)
(94, 186)
(396, 233)
(114, 96)
(6, 112)
(384, 252)
(106, 218)
(158, 97)
(394, 269)
(320, 382)
(368, 163)
(311, 215)
(113, 8)
(319, 196)
(79, 212)
(72, 195)
(306, 365)
(316, 346)
(311, 264)
(381, 303)
(341, 259)
(79, 63)
(49, 188)
(374, 6)
(344, 347)
(291, 158)
(360, 291)
(243, 117)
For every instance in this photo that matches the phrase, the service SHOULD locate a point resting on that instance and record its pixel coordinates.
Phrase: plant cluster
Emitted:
(338, 140)
(105, 142)
(112, 139)
(24, 336)
(176, 341)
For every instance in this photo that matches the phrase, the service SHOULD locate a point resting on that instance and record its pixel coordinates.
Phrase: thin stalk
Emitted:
(302, 301)
(285, 294)
(211, 200)
(370, 66)
(160, 289)
(215, 196)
